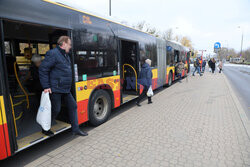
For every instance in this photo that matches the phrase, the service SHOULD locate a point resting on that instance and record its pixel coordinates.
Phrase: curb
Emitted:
(242, 114)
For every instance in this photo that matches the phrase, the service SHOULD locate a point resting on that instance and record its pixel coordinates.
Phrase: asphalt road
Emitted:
(239, 77)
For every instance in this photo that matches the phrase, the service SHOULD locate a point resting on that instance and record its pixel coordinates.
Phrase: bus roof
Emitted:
(91, 14)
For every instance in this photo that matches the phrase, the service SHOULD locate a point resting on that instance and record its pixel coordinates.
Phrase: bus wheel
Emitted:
(170, 80)
(100, 107)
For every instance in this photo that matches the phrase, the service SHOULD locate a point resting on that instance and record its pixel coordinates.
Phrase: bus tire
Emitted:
(170, 79)
(99, 107)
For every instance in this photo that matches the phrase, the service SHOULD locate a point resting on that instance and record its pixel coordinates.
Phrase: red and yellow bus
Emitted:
(105, 62)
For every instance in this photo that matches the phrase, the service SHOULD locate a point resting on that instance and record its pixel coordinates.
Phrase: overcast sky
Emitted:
(204, 21)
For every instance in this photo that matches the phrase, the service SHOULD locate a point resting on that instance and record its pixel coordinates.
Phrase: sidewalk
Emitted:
(193, 123)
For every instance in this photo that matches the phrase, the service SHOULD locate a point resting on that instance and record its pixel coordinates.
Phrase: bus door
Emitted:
(129, 69)
(176, 59)
(22, 41)
(7, 133)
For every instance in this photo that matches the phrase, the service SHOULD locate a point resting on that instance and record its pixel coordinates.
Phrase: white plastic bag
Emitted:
(150, 92)
(43, 116)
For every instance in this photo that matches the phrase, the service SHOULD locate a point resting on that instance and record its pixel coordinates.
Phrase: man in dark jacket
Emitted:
(197, 66)
(145, 79)
(212, 64)
(56, 78)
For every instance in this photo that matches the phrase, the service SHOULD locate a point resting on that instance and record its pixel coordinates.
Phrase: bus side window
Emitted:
(43, 48)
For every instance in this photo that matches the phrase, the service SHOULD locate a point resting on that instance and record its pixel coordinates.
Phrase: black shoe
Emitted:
(48, 133)
(138, 104)
(150, 102)
(80, 133)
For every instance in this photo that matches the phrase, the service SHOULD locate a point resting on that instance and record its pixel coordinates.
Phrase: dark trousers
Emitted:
(56, 100)
(143, 94)
(179, 75)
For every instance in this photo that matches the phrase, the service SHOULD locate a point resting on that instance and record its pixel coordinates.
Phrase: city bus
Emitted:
(105, 60)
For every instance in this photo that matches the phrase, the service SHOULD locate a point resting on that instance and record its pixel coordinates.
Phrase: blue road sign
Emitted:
(169, 48)
(217, 45)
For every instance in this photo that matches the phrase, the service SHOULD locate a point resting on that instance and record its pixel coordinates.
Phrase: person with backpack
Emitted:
(197, 66)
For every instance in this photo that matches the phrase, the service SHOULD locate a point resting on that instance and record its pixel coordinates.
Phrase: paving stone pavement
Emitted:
(192, 123)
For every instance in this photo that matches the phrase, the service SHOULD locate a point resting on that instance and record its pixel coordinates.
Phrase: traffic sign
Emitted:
(217, 45)
(169, 48)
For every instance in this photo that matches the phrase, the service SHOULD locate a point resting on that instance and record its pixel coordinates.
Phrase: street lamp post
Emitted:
(241, 44)
(109, 7)
(241, 41)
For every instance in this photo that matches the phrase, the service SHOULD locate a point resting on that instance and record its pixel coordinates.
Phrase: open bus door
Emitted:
(7, 132)
(129, 69)
(20, 101)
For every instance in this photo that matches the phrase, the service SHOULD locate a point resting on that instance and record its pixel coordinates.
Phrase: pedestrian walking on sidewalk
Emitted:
(220, 66)
(203, 65)
(212, 65)
(145, 79)
(197, 66)
(209, 65)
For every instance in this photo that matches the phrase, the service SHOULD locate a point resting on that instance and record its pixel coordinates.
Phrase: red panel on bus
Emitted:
(141, 89)
(117, 98)
(3, 153)
(7, 139)
(82, 111)
(154, 83)
(167, 79)
(4, 142)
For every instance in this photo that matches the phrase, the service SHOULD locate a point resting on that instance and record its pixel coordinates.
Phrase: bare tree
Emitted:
(168, 34)
(140, 26)
(177, 38)
(186, 41)
(246, 55)
(227, 53)
(143, 26)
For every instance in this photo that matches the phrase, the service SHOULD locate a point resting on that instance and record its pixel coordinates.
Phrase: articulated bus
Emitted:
(104, 54)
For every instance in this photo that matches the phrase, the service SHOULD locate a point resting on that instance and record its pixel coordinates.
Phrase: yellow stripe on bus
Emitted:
(84, 88)
(2, 112)
(155, 73)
